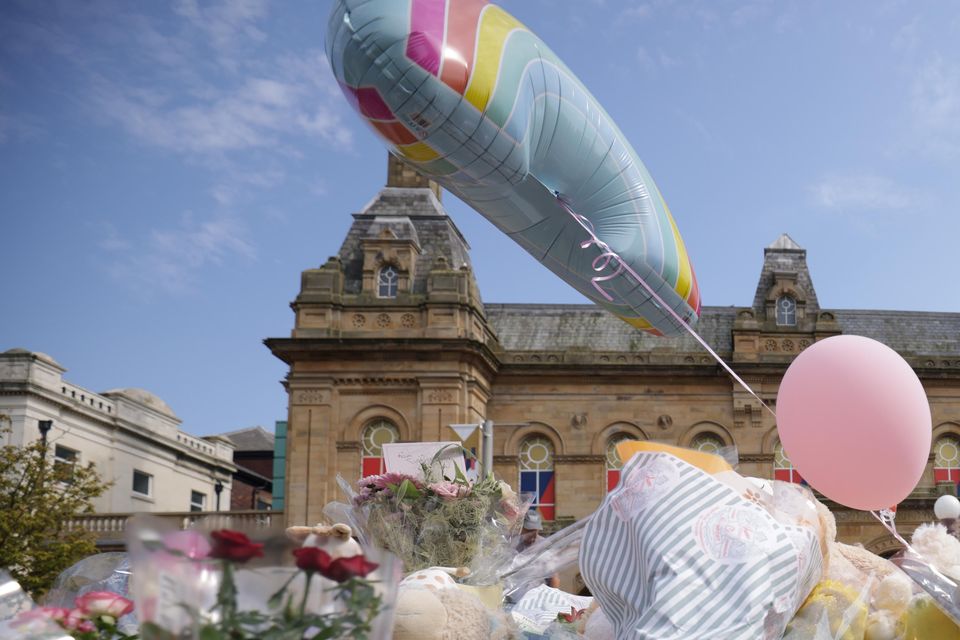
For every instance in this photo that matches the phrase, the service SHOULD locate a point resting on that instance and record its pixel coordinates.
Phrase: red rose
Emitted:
(345, 568)
(234, 546)
(314, 559)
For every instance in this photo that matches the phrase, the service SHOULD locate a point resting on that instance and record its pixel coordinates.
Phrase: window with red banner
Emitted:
(376, 434)
(946, 459)
(536, 474)
(614, 463)
(783, 468)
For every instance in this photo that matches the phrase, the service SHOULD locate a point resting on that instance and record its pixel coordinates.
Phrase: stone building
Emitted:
(393, 342)
(131, 436)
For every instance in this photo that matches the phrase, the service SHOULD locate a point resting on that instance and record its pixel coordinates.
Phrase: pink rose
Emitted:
(447, 490)
(77, 620)
(34, 619)
(104, 603)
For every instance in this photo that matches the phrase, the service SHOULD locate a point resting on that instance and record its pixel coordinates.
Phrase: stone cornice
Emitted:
(579, 459)
(756, 457)
(506, 459)
(348, 445)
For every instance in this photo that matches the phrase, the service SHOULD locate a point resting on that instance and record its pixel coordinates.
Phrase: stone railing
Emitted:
(110, 529)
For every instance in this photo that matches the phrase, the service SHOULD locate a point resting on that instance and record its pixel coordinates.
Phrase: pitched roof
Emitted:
(560, 327)
(251, 439)
(409, 213)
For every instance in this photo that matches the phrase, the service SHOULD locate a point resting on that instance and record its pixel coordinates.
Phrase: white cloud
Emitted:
(169, 261)
(935, 106)
(861, 193)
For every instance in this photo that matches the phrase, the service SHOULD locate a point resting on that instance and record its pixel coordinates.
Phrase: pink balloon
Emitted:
(855, 422)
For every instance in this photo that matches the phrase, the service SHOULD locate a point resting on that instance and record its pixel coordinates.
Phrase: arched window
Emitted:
(708, 443)
(782, 467)
(614, 463)
(375, 435)
(786, 311)
(536, 473)
(946, 459)
(387, 282)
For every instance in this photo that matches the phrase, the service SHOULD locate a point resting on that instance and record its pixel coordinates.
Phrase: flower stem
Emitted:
(306, 592)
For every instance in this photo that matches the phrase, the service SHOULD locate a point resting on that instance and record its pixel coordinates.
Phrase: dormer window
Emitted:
(786, 312)
(387, 282)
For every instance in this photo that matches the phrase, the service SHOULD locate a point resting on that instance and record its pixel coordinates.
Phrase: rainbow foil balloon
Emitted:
(470, 97)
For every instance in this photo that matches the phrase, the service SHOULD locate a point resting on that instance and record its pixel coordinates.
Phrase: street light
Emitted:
(44, 426)
(218, 489)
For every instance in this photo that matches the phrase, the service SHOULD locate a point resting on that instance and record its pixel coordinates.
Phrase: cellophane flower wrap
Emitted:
(440, 522)
(194, 585)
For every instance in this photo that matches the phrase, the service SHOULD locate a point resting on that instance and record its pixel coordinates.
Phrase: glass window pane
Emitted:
(141, 482)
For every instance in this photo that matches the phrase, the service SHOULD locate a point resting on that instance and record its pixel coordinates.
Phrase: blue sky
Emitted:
(169, 169)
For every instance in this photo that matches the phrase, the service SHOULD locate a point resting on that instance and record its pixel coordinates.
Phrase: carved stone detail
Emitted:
(665, 422)
(358, 321)
(348, 445)
(391, 382)
(408, 321)
(579, 420)
(308, 396)
(440, 396)
(383, 320)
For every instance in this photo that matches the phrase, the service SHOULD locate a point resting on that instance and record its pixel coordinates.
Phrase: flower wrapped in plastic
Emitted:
(191, 584)
(440, 522)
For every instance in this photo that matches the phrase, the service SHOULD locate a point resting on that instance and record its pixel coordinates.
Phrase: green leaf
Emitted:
(212, 633)
(408, 490)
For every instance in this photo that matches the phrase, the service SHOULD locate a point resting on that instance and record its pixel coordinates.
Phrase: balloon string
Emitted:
(608, 256)
(887, 518)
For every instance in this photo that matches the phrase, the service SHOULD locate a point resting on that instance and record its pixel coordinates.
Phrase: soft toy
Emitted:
(430, 606)
(335, 540)
(939, 548)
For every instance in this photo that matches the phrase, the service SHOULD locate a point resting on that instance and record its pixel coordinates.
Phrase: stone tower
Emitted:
(391, 330)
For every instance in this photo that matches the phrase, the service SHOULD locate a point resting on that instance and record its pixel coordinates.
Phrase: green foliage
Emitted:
(38, 499)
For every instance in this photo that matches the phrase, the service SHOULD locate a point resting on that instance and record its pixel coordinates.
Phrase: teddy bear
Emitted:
(431, 606)
(336, 540)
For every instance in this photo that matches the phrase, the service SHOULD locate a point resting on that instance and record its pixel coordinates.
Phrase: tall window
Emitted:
(375, 435)
(614, 463)
(387, 282)
(198, 501)
(536, 474)
(946, 460)
(786, 311)
(708, 443)
(782, 467)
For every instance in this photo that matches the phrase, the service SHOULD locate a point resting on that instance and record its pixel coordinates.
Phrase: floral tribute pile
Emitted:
(440, 523)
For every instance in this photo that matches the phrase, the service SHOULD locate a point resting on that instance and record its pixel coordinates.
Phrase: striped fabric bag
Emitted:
(675, 554)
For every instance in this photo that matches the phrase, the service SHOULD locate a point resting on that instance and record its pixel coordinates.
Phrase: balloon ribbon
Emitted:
(609, 258)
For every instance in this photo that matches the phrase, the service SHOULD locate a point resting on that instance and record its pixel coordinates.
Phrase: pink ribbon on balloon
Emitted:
(608, 256)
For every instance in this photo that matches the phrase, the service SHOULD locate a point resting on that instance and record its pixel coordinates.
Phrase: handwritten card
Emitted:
(407, 457)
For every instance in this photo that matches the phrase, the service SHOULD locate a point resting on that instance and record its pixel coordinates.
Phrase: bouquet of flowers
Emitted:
(191, 586)
(93, 617)
(431, 522)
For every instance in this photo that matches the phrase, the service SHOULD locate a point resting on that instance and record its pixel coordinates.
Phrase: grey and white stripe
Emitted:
(674, 554)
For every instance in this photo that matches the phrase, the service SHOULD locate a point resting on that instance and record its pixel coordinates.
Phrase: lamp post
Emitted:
(45, 426)
(218, 489)
(486, 440)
